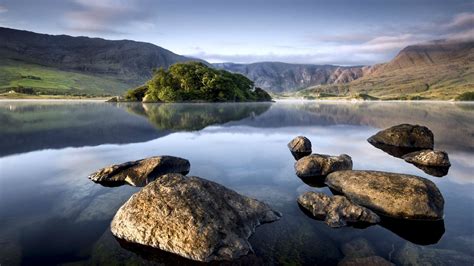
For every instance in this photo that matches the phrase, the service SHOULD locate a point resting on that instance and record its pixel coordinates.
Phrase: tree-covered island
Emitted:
(197, 82)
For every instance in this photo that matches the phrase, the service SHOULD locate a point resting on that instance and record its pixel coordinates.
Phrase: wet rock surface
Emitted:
(140, 172)
(428, 158)
(300, 147)
(391, 194)
(320, 165)
(192, 217)
(405, 135)
(336, 211)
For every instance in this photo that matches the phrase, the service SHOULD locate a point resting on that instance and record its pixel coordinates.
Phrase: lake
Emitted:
(51, 213)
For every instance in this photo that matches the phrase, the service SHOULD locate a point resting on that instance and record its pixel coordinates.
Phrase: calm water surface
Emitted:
(50, 213)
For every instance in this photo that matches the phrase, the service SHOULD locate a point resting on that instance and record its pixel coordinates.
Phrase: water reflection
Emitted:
(191, 117)
(45, 193)
(417, 232)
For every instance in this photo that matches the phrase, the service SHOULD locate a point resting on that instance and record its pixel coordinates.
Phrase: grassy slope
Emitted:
(443, 82)
(14, 74)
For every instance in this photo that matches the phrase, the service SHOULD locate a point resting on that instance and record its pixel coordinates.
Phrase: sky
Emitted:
(335, 32)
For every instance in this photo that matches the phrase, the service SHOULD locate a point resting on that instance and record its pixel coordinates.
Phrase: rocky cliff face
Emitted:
(282, 77)
(125, 60)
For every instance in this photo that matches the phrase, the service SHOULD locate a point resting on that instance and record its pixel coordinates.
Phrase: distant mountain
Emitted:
(434, 70)
(124, 61)
(283, 77)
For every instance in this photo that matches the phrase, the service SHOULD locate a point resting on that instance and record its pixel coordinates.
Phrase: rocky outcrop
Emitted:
(336, 211)
(319, 165)
(395, 195)
(192, 217)
(405, 136)
(428, 158)
(141, 172)
(300, 147)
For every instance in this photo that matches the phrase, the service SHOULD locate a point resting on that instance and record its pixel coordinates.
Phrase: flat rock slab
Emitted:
(192, 217)
(406, 136)
(336, 211)
(300, 147)
(428, 158)
(141, 172)
(320, 165)
(391, 194)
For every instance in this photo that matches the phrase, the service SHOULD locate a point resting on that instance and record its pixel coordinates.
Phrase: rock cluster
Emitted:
(189, 216)
(364, 194)
(414, 144)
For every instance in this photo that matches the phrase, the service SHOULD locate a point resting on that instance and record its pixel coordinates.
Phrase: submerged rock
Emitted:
(319, 165)
(192, 217)
(300, 147)
(428, 158)
(336, 211)
(141, 172)
(411, 254)
(406, 136)
(391, 194)
(366, 261)
(358, 248)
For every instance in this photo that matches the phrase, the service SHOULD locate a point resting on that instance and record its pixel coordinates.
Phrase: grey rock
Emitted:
(406, 136)
(192, 217)
(411, 254)
(336, 211)
(358, 248)
(141, 172)
(428, 158)
(319, 165)
(300, 147)
(367, 261)
(396, 195)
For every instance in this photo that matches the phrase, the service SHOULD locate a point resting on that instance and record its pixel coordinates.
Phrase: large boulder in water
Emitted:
(404, 136)
(300, 147)
(141, 172)
(428, 158)
(391, 194)
(320, 165)
(192, 217)
(336, 211)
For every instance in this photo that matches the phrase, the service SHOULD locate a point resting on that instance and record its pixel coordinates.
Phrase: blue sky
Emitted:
(293, 31)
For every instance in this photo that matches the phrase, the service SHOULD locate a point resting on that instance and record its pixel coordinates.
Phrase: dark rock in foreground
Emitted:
(428, 158)
(406, 136)
(141, 172)
(336, 211)
(300, 147)
(319, 165)
(192, 217)
(391, 194)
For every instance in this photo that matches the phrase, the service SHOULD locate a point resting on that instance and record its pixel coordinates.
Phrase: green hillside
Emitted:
(36, 79)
